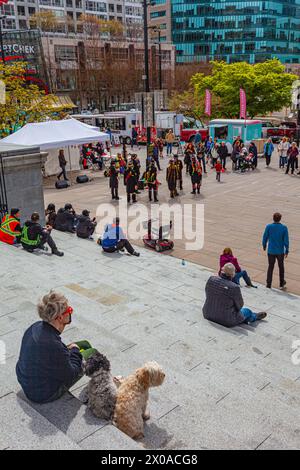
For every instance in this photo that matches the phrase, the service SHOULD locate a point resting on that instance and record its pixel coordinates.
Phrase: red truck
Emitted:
(285, 129)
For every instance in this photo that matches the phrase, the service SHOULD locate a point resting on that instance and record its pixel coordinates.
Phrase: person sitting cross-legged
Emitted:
(47, 368)
(227, 257)
(224, 302)
(10, 228)
(86, 226)
(114, 239)
(34, 236)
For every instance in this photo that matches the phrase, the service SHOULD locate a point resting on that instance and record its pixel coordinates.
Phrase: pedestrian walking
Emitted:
(218, 168)
(292, 155)
(170, 139)
(62, 163)
(276, 239)
(268, 150)
(223, 152)
(283, 148)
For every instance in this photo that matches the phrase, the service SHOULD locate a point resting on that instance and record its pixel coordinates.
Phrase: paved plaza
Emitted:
(236, 212)
(224, 389)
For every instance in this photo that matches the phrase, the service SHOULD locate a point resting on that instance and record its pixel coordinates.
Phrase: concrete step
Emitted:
(78, 424)
(23, 428)
(224, 388)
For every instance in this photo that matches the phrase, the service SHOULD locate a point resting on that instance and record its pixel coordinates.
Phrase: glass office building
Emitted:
(235, 30)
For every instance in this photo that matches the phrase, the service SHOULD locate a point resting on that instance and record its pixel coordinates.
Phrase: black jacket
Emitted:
(65, 221)
(222, 151)
(45, 363)
(85, 226)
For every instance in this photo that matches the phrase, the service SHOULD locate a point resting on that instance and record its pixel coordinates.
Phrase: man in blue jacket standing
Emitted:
(276, 237)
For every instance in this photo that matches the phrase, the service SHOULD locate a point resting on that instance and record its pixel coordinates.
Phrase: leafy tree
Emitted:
(267, 86)
(24, 102)
(44, 20)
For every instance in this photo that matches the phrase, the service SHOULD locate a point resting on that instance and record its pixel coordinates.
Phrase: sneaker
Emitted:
(261, 315)
(57, 253)
(135, 253)
(283, 287)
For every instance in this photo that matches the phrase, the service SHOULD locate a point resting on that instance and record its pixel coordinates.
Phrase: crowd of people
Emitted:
(224, 302)
(45, 378)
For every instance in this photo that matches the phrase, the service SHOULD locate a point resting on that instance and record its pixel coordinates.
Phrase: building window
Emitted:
(21, 11)
(157, 14)
(119, 8)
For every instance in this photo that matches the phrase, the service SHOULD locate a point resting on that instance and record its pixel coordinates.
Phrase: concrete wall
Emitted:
(24, 183)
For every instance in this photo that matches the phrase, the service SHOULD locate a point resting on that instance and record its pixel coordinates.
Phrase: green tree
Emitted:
(24, 103)
(267, 86)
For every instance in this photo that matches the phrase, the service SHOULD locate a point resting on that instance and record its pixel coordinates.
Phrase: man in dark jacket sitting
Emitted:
(35, 236)
(86, 226)
(66, 219)
(224, 301)
(47, 368)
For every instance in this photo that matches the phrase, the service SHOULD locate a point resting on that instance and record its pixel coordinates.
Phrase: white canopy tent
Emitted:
(53, 135)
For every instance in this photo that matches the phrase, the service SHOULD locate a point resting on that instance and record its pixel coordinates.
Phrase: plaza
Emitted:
(224, 388)
(235, 213)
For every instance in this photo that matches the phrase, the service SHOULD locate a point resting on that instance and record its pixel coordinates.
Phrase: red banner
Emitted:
(3, 1)
(243, 104)
(208, 102)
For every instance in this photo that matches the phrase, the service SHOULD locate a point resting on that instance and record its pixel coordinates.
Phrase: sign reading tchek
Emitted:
(19, 49)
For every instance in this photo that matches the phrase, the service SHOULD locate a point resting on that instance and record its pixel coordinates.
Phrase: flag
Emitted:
(3, 1)
(208, 102)
(243, 104)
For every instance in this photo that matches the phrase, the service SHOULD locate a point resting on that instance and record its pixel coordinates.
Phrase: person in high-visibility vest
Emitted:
(35, 236)
(10, 228)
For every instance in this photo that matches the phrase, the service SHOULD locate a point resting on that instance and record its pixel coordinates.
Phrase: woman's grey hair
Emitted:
(51, 306)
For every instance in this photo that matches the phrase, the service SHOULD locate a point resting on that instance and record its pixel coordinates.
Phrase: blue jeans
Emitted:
(250, 317)
(282, 162)
(169, 148)
(243, 274)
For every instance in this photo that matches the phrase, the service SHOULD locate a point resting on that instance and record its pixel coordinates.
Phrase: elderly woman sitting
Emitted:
(47, 368)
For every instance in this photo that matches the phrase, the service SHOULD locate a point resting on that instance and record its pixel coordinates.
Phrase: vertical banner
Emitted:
(208, 102)
(243, 104)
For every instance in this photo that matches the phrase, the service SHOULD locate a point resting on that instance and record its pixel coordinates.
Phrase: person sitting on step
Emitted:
(114, 239)
(10, 228)
(66, 219)
(224, 303)
(47, 368)
(34, 236)
(86, 226)
(227, 257)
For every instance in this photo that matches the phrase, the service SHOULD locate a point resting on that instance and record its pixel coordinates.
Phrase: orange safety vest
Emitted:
(8, 231)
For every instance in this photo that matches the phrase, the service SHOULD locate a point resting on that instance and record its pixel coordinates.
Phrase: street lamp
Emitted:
(146, 55)
(156, 29)
(2, 17)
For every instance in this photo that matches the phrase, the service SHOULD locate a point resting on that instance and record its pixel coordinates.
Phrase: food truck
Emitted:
(229, 129)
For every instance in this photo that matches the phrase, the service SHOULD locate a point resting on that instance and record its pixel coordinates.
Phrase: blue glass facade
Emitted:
(235, 30)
